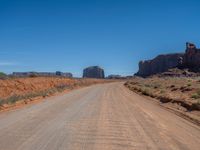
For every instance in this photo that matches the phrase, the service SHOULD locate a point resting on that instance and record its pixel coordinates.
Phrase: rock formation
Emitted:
(113, 76)
(159, 64)
(42, 74)
(93, 72)
(162, 63)
(191, 59)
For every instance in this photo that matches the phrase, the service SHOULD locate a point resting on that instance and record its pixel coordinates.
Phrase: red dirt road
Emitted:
(99, 117)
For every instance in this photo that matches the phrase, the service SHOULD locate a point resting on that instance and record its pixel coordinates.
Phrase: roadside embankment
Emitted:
(19, 91)
(180, 94)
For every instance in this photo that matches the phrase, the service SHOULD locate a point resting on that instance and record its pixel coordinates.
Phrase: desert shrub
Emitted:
(148, 93)
(126, 84)
(52, 91)
(145, 92)
(13, 99)
(61, 87)
(139, 89)
(162, 91)
(156, 86)
(3, 75)
(164, 99)
(198, 102)
(147, 85)
(133, 82)
(135, 88)
(174, 89)
(43, 94)
(198, 91)
(172, 86)
(182, 87)
(196, 95)
(1, 102)
(33, 75)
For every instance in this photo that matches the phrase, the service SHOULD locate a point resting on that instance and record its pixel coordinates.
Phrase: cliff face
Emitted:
(159, 64)
(93, 72)
(190, 59)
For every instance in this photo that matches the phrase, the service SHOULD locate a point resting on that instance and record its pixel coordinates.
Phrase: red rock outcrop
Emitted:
(191, 59)
(162, 63)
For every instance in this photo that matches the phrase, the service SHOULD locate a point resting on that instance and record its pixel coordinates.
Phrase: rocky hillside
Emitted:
(162, 63)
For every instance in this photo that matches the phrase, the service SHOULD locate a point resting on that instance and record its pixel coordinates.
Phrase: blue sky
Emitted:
(68, 35)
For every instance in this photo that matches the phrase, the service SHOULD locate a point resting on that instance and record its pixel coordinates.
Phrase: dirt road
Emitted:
(100, 117)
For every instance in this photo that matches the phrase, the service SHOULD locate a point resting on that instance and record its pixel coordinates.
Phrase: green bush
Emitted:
(13, 99)
(3, 75)
(1, 102)
(195, 96)
(198, 91)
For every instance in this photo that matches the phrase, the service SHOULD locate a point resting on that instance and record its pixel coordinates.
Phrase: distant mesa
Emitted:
(43, 74)
(64, 74)
(189, 60)
(159, 64)
(93, 72)
(113, 76)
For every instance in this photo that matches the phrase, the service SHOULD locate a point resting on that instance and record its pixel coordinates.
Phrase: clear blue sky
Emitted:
(68, 35)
